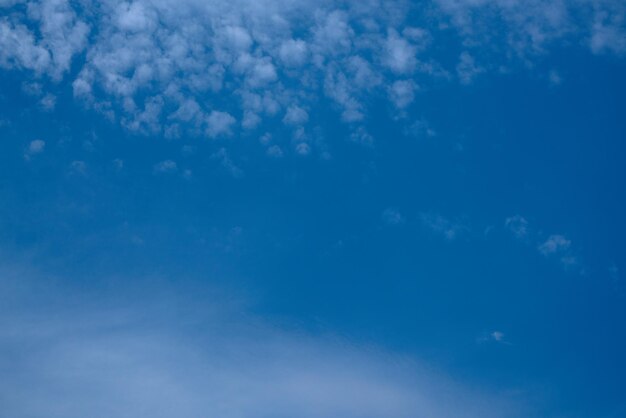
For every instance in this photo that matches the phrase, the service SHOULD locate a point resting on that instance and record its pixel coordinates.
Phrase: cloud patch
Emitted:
(136, 352)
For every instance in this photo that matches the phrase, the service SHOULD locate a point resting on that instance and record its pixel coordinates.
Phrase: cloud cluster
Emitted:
(212, 68)
(555, 245)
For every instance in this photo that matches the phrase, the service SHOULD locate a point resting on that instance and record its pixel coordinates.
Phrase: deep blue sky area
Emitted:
(312, 209)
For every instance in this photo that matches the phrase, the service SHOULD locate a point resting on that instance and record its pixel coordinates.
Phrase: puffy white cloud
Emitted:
(36, 147)
(392, 217)
(226, 162)
(518, 226)
(219, 123)
(608, 33)
(402, 93)
(497, 336)
(48, 102)
(78, 167)
(440, 225)
(293, 52)
(303, 149)
(167, 166)
(295, 116)
(467, 69)
(18, 48)
(554, 244)
(274, 151)
(559, 247)
(164, 66)
(61, 35)
(399, 54)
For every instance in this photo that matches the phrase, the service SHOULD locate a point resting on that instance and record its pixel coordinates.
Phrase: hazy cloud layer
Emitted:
(131, 352)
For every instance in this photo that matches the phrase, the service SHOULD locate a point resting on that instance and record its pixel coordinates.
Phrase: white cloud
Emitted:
(78, 167)
(497, 336)
(219, 123)
(447, 228)
(293, 52)
(608, 33)
(167, 166)
(303, 149)
(399, 55)
(226, 162)
(402, 93)
(141, 350)
(295, 116)
(392, 217)
(554, 244)
(518, 226)
(48, 102)
(118, 164)
(162, 67)
(36, 147)
(467, 69)
(62, 35)
(275, 151)
(361, 136)
(560, 247)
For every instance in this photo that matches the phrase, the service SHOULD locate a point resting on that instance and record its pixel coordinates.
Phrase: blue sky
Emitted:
(288, 208)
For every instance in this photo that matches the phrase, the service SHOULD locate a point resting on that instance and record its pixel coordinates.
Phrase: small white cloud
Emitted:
(250, 120)
(167, 166)
(361, 136)
(187, 110)
(36, 147)
(555, 78)
(497, 336)
(517, 225)
(118, 164)
(399, 54)
(224, 158)
(295, 115)
(293, 53)
(493, 337)
(554, 244)
(420, 129)
(78, 167)
(608, 34)
(467, 69)
(402, 93)
(275, 151)
(187, 150)
(266, 138)
(559, 246)
(303, 149)
(450, 230)
(48, 102)
(392, 217)
(219, 123)
(32, 88)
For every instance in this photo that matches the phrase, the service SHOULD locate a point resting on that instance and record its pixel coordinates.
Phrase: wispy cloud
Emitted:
(554, 246)
(137, 352)
(166, 166)
(449, 229)
(34, 147)
(518, 226)
(494, 337)
(393, 217)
